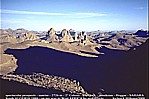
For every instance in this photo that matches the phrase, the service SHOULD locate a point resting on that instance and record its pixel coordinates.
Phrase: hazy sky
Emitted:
(76, 14)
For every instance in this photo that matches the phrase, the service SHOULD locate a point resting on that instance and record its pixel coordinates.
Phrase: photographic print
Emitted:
(74, 49)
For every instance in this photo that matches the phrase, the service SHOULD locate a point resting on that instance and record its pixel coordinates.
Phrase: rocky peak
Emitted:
(64, 32)
(83, 35)
(66, 37)
(51, 32)
(27, 36)
(83, 38)
(51, 36)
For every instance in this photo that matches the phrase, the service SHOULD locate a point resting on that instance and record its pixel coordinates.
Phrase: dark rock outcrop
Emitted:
(142, 33)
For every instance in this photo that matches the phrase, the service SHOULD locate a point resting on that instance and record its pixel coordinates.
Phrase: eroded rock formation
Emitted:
(51, 36)
(83, 38)
(65, 36)
(27, 36)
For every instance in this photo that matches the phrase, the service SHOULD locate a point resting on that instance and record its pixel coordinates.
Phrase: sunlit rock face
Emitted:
(65, 36)
(51, 36)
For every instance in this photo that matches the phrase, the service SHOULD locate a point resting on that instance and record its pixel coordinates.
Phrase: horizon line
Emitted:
(78, 30)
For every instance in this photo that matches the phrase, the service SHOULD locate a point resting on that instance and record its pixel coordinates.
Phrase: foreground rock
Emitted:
(47, 81)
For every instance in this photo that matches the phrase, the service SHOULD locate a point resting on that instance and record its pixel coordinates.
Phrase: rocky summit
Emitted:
(83, 38)
(51, 36)
(65, 36)
(27, 36)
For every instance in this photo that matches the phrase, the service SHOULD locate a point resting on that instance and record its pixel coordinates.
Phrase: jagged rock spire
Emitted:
(83, 38)
(51, 32)
(51, 35)
(66, 37)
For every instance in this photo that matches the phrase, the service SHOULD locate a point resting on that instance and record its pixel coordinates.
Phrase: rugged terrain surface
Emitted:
(46, 81)
(80, 43)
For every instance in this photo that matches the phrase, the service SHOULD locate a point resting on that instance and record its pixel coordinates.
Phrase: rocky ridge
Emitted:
(47, 81)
